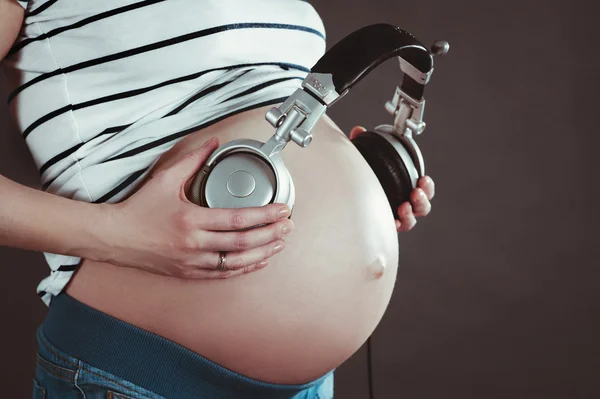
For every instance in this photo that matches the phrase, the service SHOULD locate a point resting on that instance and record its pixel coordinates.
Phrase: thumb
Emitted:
(190, 163)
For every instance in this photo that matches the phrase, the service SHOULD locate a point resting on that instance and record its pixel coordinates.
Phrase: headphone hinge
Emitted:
(408, 113)
(295, 119)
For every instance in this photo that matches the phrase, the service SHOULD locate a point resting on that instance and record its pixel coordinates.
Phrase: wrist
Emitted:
(97, 236)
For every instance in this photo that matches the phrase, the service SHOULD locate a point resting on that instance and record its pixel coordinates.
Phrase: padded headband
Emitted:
(377, 43)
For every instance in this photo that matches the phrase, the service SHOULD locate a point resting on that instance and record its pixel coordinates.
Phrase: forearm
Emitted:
(11, 17)
(34, 220)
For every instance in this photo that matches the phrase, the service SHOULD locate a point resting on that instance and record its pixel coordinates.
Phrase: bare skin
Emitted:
(317, 301)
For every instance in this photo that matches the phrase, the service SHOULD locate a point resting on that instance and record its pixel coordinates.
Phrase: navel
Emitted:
(377, 268)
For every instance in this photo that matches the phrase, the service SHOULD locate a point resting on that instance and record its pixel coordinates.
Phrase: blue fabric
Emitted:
(84, 353)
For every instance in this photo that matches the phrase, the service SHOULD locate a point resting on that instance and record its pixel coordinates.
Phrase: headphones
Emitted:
(249, 173)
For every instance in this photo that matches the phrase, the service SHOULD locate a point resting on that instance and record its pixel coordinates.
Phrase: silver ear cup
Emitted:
(240, 175)
(407, 150)
(241, 180)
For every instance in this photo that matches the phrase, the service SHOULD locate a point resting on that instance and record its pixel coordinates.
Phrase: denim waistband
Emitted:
(148, 360)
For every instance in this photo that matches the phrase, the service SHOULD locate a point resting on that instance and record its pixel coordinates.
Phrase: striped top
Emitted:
(101, 89)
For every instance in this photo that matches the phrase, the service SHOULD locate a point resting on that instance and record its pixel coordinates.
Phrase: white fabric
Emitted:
(91, 80)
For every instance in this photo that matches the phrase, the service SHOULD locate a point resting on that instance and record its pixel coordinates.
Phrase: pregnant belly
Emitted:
(314, 305)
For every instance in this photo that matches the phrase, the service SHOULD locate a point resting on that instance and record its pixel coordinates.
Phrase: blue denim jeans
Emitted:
(87, 354)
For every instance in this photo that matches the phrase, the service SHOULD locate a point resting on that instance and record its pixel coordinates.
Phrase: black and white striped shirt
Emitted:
(101, 89)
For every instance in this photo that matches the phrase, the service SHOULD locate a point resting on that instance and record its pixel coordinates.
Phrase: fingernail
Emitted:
(287, 228)
(284, 212)
(262, 264)
(421, 193)
(279, 247)
(208, 142)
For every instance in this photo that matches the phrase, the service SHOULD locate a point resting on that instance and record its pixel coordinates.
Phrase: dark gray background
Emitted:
(497, 291)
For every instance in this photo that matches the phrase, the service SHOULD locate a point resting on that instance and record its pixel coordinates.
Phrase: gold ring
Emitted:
(222, 259)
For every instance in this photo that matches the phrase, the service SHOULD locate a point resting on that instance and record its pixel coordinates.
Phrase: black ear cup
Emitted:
(387, 165)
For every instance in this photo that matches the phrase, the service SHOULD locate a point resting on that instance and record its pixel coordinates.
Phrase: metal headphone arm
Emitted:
(341, 68)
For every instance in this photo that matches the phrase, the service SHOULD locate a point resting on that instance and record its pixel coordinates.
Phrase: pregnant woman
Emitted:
(121, 103)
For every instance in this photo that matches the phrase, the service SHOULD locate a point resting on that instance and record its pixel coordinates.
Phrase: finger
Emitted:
(204, 274)
(356, 131)
(241, 259)
(406, 217)
(398, 224)
(420, 204)
(242, 240)
(427, 184)
(189, 164)
(221, 219)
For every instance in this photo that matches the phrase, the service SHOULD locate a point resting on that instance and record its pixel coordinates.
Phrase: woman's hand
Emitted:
(418, 205)
(160, 231)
